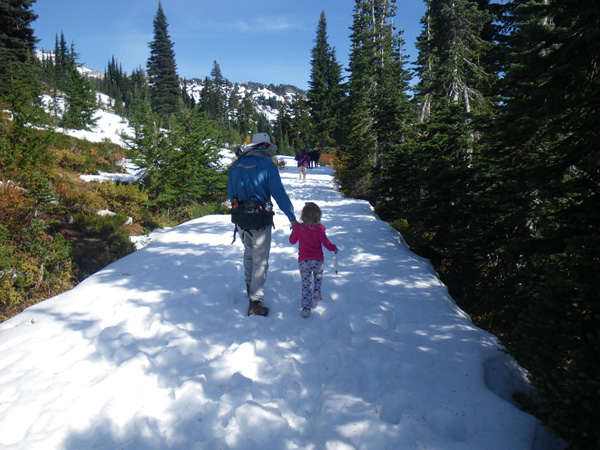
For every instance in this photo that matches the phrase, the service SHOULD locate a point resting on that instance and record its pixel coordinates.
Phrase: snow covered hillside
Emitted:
(156, 350)
(262, 97)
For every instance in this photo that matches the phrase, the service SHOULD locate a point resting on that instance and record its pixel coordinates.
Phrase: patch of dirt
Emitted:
(89, 254)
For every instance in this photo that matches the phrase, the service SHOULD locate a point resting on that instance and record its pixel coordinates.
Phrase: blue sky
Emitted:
(267, 41)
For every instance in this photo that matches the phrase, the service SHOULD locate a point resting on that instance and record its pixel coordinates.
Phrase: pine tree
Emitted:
(377, 106)
(162, 73)
(214, 100)
(220, 84)
(450, 52)
(446, 153)
(293, 128)
(63, 64)
(247, 117)
(115, 84)
(180, 168)
(80, 102)
(137, 98)
(78, 92)
(547, 183)
(325, 93)
(23, 148)
(282, 127)
(17, 40)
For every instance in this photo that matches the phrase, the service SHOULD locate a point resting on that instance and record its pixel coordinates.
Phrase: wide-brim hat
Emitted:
(262, 138)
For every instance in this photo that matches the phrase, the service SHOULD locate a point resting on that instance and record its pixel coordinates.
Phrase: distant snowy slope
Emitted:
(261, 95)
(156, 351)
(109, 126)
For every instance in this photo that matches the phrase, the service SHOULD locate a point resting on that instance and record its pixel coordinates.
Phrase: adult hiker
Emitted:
(253, 180)
(314, 158)
(303, 162)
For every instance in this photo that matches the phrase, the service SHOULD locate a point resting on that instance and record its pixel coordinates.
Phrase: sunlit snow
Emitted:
(156, 351)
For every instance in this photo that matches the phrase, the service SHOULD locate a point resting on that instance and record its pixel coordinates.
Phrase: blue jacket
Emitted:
(258, 176)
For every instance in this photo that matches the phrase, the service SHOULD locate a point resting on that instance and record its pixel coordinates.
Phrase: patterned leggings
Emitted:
(308, 268)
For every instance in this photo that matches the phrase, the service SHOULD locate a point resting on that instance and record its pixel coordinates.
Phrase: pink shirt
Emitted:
(311, 238)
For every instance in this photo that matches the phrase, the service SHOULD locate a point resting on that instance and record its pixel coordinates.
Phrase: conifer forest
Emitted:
(484, 155)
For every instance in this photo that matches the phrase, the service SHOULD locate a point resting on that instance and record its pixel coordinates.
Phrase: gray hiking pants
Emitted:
(257, 246)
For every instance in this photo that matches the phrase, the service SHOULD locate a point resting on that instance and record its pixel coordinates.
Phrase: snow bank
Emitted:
(156, 351)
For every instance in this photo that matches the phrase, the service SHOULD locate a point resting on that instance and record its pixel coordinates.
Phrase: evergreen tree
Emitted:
(446, 153)
(23, 148)
(180, 168)
(115, 84)
(217, 75)
(80, 102)
(210, 99)
(233, 102)
(219, 101)
(300, 129)
(17, 40)
(165, 92)
(188, 100)
(377, 106)
(137, 98)
(220, 85)
(78, 91)
(450, 52)
(63, 64)
(325, 93)
(294, 125)
(283, 125)
(247, 117)
(546, 185)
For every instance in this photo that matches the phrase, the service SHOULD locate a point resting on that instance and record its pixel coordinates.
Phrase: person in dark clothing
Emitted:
(314, 158)
(303, 162)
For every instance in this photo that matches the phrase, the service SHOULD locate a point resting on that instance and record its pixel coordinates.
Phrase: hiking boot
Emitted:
(306, 313)
(257, 308)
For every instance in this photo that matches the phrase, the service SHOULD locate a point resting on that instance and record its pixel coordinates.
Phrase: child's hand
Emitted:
(293, 224)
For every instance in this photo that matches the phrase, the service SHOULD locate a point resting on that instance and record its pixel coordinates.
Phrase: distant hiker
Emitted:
(314, 156)
(312, 236)
(303, 162)
(253, 179)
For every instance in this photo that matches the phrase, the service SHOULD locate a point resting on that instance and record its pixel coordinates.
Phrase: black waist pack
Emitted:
(251, 214)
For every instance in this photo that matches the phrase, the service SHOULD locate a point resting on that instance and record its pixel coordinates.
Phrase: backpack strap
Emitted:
(234, 233)
(241, 233)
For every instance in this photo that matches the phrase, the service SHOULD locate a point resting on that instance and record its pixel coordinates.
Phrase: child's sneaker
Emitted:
(306, 313)
(317, 298)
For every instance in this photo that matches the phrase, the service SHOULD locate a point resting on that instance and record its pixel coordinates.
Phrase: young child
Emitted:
(311, 235)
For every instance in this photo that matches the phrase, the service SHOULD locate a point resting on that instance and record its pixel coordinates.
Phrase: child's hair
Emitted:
(311, 214)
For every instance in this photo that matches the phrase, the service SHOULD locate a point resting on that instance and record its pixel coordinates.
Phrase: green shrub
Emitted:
(196, 210)
(401, 225)
(123, 198)
(108, 228)
(82, 156)
(37, 268)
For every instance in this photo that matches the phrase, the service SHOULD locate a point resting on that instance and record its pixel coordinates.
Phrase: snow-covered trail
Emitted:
(156, 351)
